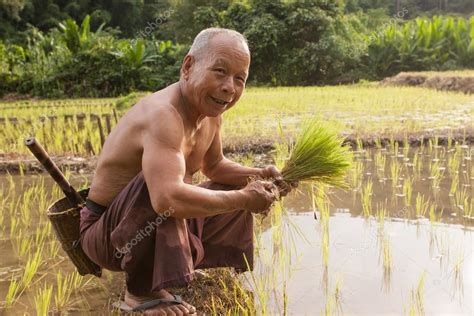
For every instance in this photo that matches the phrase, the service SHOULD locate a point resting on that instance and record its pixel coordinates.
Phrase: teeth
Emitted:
(220, 101)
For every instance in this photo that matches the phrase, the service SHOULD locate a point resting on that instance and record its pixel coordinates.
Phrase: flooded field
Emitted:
(398, 242)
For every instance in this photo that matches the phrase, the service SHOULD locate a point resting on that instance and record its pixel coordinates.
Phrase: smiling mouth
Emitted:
(219, 101)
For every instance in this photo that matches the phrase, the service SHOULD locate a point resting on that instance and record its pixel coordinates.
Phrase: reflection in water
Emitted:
(399, 241)
(390, 240)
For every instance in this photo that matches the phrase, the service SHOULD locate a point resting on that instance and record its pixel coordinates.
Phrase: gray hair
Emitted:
(201, 41)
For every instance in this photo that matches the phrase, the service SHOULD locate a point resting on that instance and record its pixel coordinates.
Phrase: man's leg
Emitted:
(123, 238)
(227, 239)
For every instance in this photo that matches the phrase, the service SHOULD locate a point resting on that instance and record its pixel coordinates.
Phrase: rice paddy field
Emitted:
(398, 241)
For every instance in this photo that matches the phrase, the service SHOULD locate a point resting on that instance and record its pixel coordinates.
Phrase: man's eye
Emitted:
(220, 70)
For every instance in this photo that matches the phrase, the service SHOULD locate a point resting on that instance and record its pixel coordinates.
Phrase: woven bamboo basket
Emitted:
(65, 220)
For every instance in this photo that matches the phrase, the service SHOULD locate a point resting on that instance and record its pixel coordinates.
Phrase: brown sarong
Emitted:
(159, 251)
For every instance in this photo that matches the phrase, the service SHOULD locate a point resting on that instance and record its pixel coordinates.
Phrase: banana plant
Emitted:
(79, 38)
(135, 53)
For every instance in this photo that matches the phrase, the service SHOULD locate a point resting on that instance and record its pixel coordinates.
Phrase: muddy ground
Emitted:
(16, 163)
(439, 82)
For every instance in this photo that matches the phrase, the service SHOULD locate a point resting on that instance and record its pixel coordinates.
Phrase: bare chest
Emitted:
(195, 147)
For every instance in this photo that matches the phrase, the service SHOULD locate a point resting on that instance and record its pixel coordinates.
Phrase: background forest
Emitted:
(107, 48)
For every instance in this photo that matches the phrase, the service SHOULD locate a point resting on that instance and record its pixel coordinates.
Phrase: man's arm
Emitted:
(164, 169)
(222, 170)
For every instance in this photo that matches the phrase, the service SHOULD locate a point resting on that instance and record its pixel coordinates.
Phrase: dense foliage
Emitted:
(421, 44)
(131, 45)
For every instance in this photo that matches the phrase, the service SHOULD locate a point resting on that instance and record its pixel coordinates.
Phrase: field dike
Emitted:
(14, 163)
(463, 84)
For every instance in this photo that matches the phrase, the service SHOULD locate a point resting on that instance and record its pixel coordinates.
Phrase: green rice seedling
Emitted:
(458, 271)
(318, 155)
(356, 175)
(12, 294)
(21, 168)
(454, 184)
(459, 197)
(53, 249)
(333, 304)
(15, 229)
(17, 287)
(22, 246)
(406, 145)
(417, 301)
(65, 286)
(407, 190)
(366, 198)
(467, 208)
(436, 173)
(338, 294)
(434, 217)
(450, 139)
(386, 257)
(394, 172)
(393, 145)
(359, 144)
(430, 146)
(246, 160)
(43, 299)
(259, 287)
(417, 164)
(421, 207)
(11, 182)
(454, 161)
(378, 143)
(381, 213)
(380, 161)
(325, 245)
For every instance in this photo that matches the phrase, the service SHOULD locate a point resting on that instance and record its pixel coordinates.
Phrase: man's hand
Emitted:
(272, 172)
(260, 196)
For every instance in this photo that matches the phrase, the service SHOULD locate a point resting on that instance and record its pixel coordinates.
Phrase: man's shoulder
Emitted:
(155, 109)
(161, 120)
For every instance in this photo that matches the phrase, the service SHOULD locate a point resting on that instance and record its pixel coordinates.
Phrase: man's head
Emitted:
(215, 70)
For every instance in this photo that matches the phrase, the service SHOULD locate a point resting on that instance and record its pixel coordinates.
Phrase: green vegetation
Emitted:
(441, 42)
(67, 127)
(318, 156)
(76, 53)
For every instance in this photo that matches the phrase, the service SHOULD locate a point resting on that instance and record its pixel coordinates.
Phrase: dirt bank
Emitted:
(16, 163)
(440, 82)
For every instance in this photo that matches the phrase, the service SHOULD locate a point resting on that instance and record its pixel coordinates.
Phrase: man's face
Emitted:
(215, 82)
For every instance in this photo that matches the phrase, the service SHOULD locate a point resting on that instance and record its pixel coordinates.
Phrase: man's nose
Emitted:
(228, 86)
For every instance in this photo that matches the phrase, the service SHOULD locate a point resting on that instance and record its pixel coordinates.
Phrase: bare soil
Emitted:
(463, 84)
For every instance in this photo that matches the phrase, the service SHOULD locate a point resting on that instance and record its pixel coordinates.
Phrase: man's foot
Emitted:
(162, 309)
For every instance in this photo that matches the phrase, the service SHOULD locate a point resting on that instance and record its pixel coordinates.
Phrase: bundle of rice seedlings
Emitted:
(318, 155)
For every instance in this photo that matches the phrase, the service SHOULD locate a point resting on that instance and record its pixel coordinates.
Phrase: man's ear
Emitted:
(188, 62)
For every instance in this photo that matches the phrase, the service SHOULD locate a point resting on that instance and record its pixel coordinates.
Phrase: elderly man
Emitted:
(143, 215)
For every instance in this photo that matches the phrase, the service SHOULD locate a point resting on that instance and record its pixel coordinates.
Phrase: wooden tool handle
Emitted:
(43, 157)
